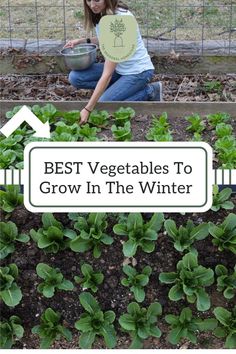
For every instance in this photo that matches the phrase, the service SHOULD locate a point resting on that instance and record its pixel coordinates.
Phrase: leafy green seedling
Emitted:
(226, 282)
(10, 198)
(7, 159)
(90, 279)
(92, 234)
(51, 329)
(223, 129)
(213, 86)
(8, 236)
(10, 114)
(87, 133)
(123, 115)
(65, 132)
(10, 331)
(139, 234)
(186, 326)
(70, 117)
(159, 130)
(184, 237)
(217, 118)
(122, 133)
(220, 199)
(47, 113)
(53, 280)
(94, 322)
(136, 281)
(197, 137)
(52, 237)
(99, 118)
(197, 125)
(140, 323)
(10, 293)
(190, 280)
(227, 326)
(224, 235)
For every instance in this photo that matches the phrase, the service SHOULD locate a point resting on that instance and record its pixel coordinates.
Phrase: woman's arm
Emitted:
(73, 42)
(101, 86)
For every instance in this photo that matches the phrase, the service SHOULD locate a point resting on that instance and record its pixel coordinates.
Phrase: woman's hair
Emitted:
(92, 19)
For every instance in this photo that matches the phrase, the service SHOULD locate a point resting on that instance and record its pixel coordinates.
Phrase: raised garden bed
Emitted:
(161, 254)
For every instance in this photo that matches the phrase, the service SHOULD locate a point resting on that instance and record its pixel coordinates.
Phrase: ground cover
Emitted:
(179, 88)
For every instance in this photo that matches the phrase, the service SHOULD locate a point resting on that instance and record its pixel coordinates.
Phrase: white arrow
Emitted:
(42, 130)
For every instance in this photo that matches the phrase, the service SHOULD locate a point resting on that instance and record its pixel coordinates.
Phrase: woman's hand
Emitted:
(84, 116)
(71, 43)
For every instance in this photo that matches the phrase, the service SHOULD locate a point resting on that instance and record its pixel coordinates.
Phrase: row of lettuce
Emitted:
(88, 233)
(64, 127)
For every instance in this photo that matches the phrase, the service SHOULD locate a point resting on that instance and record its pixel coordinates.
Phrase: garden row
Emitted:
(92, 235)
(217, 129)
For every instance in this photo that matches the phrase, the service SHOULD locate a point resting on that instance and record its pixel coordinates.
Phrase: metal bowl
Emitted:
(80, 57)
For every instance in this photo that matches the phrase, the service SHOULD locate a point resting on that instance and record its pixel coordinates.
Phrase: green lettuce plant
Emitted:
(51, 329)
(99, 118)
(226, 282)
(122, 133)
(140, 323)
(217, 118)
(53, 280)
(65, 132)
(87, 133)
(184, 237)
(52, 237)
(223, 129)
(227, 326)
(197, 125)
(186, 326)
(140, 234)
(220, 199)
(136, 281)
(91, 233)
(10, 330)
(95, 322)
(159, 129)
(10, 198)
(123, 115)
(90, 279)
(224, 235)
(10, 292)
(8, 237)
(190, 280)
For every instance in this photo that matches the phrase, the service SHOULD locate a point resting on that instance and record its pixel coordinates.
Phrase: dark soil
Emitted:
(111, 294)
(181, 88)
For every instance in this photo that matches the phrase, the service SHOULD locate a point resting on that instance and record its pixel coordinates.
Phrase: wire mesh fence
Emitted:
(170, 23)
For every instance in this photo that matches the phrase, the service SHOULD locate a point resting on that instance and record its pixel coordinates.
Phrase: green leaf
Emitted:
(154, 309)
(139, 293)
(84, 324)
(231, 341)
(127, 322)
(109, 335)
(168, 278)
(88, 302)
(43, 270)
(120, 229)
(222, 315)
(171, 228)
(12, 296)
(109, 316)
(130, 248)
(80, 245)
(86, 340)
(175, 293)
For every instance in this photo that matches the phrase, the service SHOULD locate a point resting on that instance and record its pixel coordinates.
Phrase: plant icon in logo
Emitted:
(118, 28)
